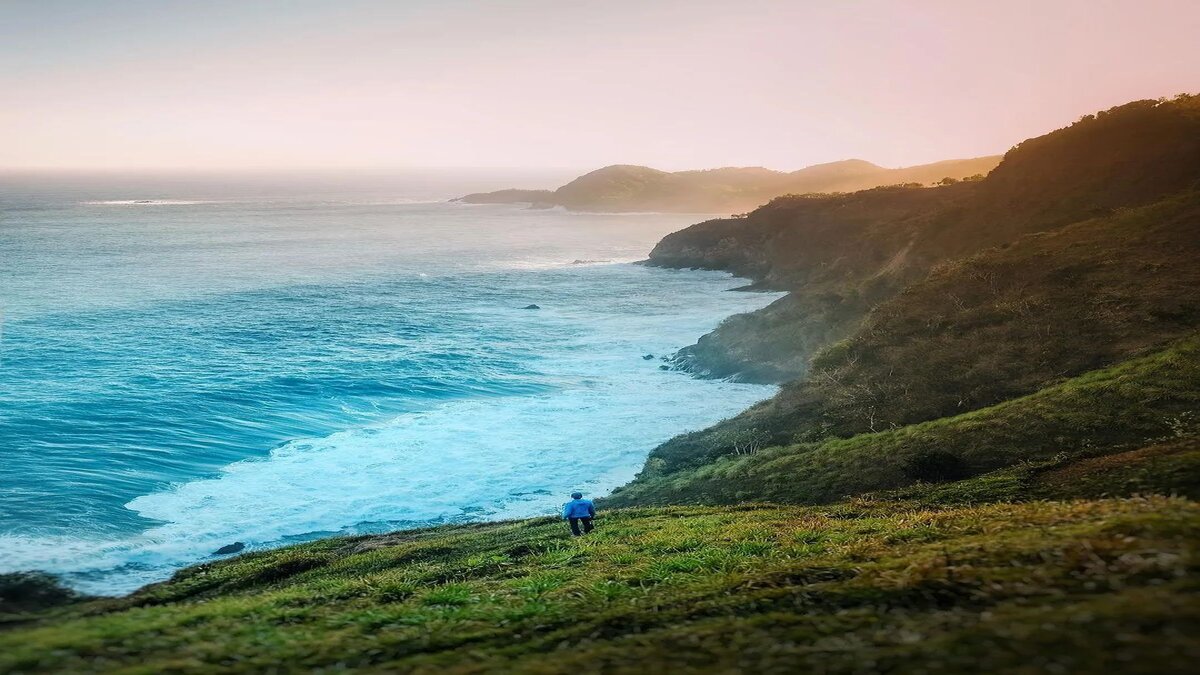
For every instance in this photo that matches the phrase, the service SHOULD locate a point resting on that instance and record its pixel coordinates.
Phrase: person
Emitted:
(579, 510)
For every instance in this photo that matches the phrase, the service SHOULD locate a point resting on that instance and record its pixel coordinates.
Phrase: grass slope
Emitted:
(871, 585)
(1107, 410)
(1007, 322)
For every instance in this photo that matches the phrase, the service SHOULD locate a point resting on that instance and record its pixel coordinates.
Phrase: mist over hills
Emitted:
(625, 187)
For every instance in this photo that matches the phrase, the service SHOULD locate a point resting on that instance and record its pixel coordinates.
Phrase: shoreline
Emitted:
(621, 476)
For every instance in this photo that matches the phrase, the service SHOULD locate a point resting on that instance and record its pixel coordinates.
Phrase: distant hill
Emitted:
(510, 196)
(625, 187)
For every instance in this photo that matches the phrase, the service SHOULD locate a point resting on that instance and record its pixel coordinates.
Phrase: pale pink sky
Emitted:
(687, 84)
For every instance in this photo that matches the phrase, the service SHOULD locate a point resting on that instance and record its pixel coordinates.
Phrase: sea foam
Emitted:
(146, 202)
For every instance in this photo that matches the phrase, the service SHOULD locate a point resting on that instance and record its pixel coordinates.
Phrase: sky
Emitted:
(230, 84)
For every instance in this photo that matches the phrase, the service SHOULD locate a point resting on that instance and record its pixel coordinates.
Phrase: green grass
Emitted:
(868, 585)
(1167, 468)
(1104, 411)
(1172, 466)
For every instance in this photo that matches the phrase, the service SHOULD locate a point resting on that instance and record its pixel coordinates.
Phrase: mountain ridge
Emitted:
(631, 187)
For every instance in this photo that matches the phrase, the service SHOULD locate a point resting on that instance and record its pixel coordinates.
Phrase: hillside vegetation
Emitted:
(1134, 404)
(871, 585)
(980, 330)
(841, 256)
(625, 187)
(910, 347)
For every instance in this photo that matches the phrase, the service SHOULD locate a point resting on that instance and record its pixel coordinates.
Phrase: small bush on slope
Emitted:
(868, 585)
(24, 591)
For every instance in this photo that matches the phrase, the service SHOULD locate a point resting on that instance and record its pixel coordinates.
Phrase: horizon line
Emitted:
(381, 168)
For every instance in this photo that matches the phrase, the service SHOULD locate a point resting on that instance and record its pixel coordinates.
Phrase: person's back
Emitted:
(579, 510)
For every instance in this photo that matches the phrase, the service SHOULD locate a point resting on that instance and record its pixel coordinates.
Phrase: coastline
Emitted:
(185, 515)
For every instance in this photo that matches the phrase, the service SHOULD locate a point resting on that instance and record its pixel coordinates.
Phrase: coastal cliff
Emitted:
(910, 305)
(842, 255)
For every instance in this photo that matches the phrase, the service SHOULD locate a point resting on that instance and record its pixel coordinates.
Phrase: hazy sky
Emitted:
(688, 84)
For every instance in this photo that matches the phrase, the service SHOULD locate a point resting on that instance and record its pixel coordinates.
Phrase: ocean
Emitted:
(191, 360)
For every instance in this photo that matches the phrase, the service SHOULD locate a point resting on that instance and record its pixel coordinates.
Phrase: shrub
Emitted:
(935, 466)
(30, 591)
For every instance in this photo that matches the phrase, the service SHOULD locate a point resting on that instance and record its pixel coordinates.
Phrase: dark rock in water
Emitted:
(648, 357)
(230, 548)
(531, 307)
(664, 367)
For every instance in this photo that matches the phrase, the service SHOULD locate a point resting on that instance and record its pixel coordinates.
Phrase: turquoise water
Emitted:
(188, 362)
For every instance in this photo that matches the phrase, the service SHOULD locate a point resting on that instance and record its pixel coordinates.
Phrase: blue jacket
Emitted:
(579, 508)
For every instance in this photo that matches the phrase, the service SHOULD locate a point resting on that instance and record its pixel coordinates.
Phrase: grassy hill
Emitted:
(626, 187)
(870, 585)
